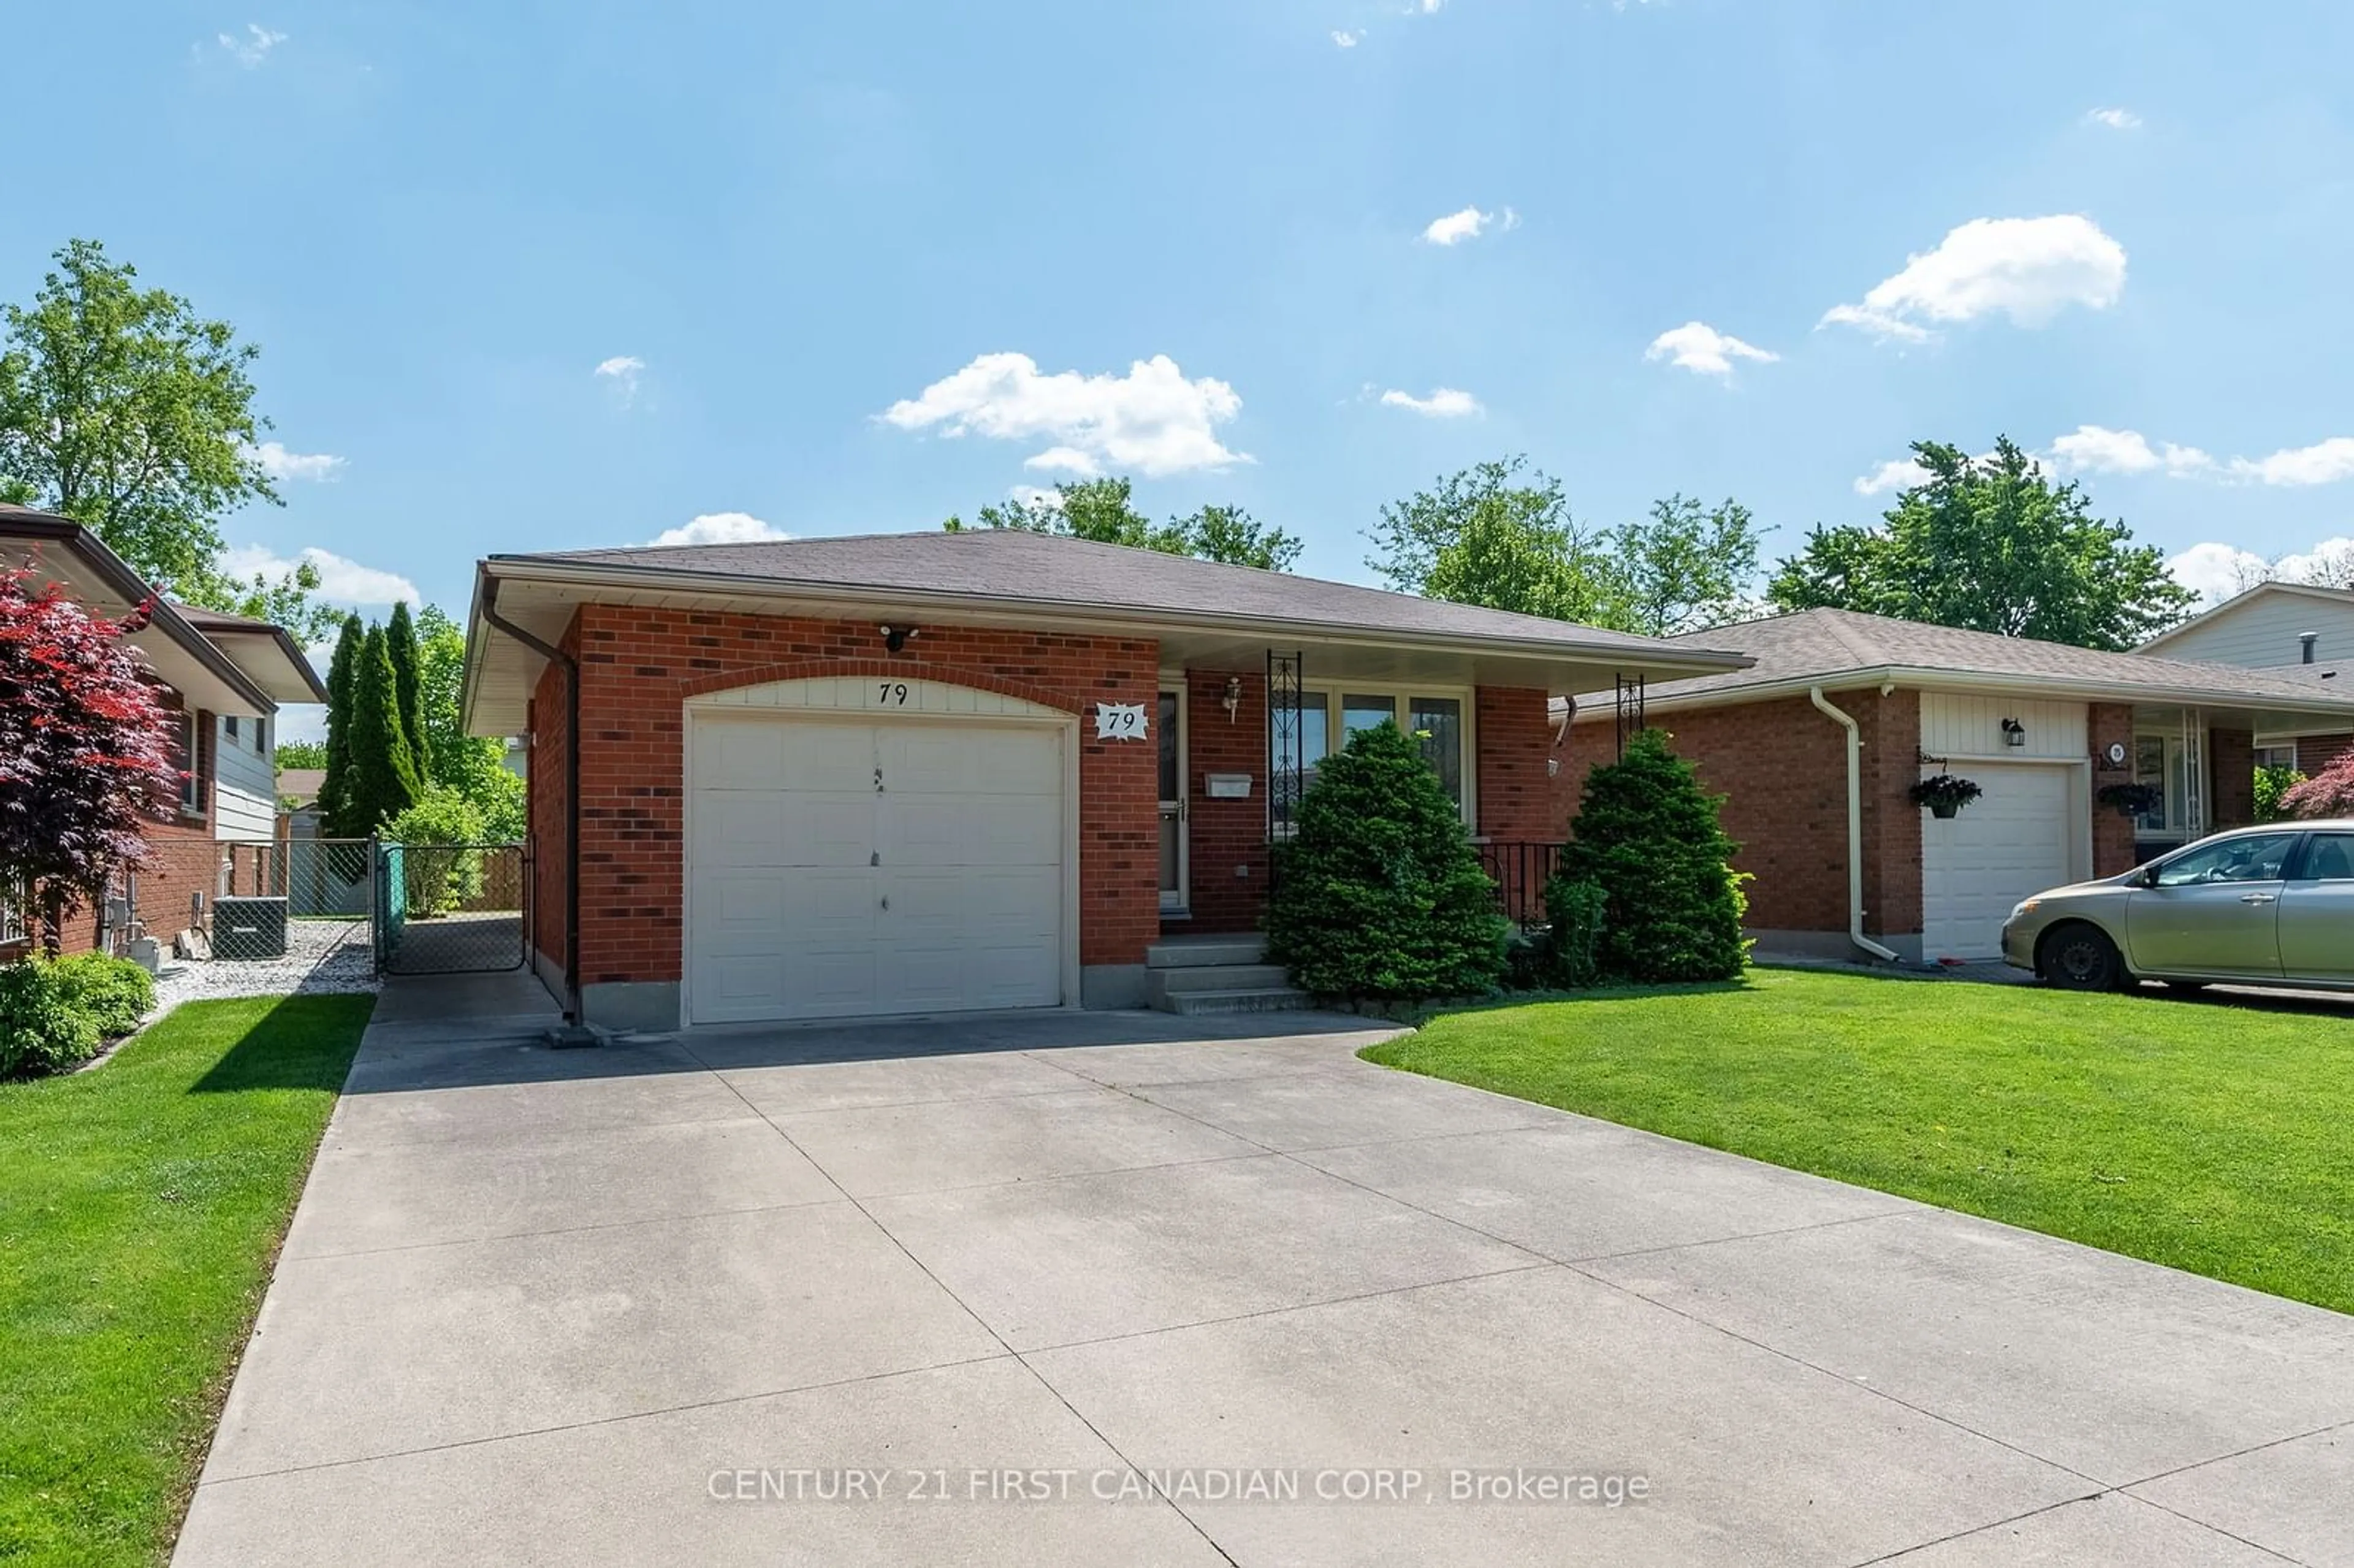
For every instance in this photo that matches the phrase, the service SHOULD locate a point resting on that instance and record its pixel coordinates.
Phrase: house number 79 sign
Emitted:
(1119, 721)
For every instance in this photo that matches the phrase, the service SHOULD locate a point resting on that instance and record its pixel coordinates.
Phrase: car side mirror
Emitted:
(2146, 877)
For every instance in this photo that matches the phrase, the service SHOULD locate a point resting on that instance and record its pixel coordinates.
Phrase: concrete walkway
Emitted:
(651, 1302)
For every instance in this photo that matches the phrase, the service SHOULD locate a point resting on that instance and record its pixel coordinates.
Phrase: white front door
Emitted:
(840, 867)
(2015, 840)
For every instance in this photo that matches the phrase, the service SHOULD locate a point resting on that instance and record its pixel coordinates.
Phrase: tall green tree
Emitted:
(1992, 545)
(343, 692)
(1103, 510)
(400, 644)
(124, 410)
(1503, 535)
(384, 781)
(473, 765)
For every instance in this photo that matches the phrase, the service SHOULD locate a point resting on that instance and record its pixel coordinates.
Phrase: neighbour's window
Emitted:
(262, 737)
(1365, 713)
(2260, 857)
(2328, 858)
(2149, 767)
(14, 902)
(192, 789)
(228, 726)
(2276, 757)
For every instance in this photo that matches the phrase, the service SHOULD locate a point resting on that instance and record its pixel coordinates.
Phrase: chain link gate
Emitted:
(445, 909)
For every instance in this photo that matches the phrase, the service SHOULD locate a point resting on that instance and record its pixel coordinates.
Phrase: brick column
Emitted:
(1227, 846)
(1891, 726)
(2112, 832)
(2232, 779)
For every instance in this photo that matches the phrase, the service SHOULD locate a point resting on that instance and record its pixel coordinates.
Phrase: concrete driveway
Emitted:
(1126, 1289)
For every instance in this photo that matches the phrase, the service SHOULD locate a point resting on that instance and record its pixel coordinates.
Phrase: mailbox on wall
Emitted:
(1227, 786)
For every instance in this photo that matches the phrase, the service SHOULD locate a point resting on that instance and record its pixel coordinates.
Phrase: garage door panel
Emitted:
(815, 895)
(2013, 841)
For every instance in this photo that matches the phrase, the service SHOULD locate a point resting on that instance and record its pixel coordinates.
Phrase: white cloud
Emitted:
(720, 528)
(1469, 224)
(1444, 403)
(341, 581)
(1151, 419)
(1700, 348)
(2092, 449)
(2216, 572)
(279, 463)
(2324, 462)
(1427, 7)
(1900, 473)
(622, 370)
(2029, 269)
(2115, 119)
(1344, 39)
(253, 47)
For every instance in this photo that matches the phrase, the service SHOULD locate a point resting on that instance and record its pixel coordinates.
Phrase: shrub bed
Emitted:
(56, 1013)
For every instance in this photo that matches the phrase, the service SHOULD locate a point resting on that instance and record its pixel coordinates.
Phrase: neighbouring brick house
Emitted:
(2040, 727)
(225, 676)
(921, 772)
(2294, 630)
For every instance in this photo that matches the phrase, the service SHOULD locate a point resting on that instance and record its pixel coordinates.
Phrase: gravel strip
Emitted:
(323, 957)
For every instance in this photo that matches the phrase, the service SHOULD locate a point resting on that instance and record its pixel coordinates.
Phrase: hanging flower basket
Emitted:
(1945, 794)
(2130, 799)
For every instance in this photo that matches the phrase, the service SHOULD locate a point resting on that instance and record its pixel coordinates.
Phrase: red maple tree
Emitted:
(2328, 793)
(87, 749)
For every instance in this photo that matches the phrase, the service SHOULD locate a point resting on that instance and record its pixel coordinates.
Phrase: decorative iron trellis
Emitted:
(1286, 744)
(1628, 691)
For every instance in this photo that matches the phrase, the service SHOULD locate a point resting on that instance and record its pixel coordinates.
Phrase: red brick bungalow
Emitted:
(226, 676)
(1816, 744)
(923, 772)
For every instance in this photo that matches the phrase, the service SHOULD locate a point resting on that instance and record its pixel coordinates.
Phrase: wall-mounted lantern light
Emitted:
(1233, 700)
(896, 637)
(2014, 734)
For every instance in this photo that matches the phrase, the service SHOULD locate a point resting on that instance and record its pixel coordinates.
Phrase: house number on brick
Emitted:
(1119, 721)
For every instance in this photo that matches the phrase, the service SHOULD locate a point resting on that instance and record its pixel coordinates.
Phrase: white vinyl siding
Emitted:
(245, 783)
(2265, 630)
(1954, 725)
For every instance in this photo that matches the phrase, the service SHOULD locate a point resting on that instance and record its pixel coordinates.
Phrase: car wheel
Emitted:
(2081, 958)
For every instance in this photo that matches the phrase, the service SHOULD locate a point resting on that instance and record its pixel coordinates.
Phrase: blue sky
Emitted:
(537, 275)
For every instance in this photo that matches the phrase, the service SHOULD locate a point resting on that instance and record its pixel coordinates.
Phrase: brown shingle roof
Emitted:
(1052, 571)
(1829, 644)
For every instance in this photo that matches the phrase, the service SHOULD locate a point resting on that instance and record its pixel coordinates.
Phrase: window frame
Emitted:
(1333, 698)
(2292, 859)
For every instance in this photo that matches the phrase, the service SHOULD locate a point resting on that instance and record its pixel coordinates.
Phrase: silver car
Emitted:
(2270, 905)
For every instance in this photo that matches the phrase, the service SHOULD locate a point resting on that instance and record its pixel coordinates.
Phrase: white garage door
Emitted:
(840, 867)
(2012, 841)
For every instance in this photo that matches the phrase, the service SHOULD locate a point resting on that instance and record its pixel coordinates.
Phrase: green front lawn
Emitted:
(141, 1204)
(2208, 1137)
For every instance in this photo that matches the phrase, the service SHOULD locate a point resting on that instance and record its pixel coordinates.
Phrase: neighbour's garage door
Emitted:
(840, 868)
(2010, 841)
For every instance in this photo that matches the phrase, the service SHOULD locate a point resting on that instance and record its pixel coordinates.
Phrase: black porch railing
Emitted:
(1519, 869)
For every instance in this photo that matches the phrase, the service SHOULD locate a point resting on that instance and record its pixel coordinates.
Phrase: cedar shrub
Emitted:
(1379, 894)
(1647, 834)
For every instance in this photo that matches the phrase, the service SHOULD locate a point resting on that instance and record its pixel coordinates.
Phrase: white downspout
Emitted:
(1854, 829)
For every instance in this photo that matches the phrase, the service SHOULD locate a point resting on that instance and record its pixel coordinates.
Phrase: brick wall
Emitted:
(1517, 797)
(2232, 774)
(1782, 767)
(640, 665)
(1226, 842)
(2113, 832)
(2316, 752)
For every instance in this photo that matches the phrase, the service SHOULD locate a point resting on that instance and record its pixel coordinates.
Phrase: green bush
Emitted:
(2272, 783)
(115, 993)
(439, 879)
(41, 1029)
(1574, 917)
(1379, 894)
(1648, 836)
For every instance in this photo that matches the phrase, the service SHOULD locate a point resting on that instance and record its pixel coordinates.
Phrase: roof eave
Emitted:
(591, 576)
(2065, 687)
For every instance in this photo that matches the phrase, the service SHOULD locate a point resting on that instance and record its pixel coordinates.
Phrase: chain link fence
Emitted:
(450, 908)
(298, 902)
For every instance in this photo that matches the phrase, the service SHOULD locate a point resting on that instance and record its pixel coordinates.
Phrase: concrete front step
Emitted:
(1259, 998)
(1205, 952)
(1218, 977)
